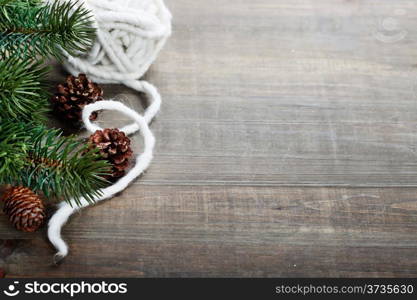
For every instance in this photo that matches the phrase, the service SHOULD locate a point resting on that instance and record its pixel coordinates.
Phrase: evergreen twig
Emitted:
(22, 90)
(45, 161)
(32, 155)
(29, 28)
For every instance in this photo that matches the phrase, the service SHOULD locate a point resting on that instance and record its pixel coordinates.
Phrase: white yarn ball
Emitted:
(130, 34)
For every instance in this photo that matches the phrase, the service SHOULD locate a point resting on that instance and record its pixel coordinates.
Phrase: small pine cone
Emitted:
(114, 147)
(73, 95)
(24, 208)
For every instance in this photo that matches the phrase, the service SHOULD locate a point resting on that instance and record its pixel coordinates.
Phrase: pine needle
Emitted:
(22, 90)
(29, 28)
(45, 161)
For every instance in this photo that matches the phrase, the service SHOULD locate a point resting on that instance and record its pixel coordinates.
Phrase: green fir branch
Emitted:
(14, 139)
(20, 2)
(45, 161)
(29, 28)
(22, 90)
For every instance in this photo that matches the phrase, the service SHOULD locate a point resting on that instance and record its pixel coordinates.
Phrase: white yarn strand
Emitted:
(143, 160)
(130, 35)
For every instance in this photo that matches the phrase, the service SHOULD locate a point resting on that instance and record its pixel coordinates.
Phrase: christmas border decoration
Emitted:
(98, 41)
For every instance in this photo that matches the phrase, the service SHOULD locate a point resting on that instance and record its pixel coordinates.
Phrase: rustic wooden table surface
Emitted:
(286, 146)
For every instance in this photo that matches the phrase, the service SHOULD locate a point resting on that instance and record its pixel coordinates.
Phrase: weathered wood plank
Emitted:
(232, 231)
(278, 93)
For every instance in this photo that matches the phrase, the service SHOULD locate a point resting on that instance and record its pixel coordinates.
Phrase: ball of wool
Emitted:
(130, 34)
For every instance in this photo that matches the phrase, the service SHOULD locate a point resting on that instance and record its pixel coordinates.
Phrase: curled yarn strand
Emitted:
(143, 160)
(130, 35)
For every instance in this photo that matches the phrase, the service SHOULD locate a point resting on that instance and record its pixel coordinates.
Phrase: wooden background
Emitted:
(286, 146)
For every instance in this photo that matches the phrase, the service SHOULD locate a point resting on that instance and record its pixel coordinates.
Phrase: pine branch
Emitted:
(30, 28)
(24, 3)
(22, 90)
(45, 161)
(14, 141)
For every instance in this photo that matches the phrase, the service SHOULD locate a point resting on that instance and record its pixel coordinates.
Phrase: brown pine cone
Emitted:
(24, 208)
(73, 95)
(114, 147)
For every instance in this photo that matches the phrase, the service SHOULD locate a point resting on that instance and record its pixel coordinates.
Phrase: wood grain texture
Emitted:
(232, 231)
(286, 146)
